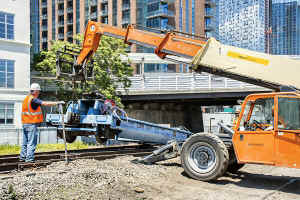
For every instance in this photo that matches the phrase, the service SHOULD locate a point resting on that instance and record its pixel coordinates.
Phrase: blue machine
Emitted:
(106, 121)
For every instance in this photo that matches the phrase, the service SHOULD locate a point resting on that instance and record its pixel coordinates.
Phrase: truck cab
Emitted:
(268, 129)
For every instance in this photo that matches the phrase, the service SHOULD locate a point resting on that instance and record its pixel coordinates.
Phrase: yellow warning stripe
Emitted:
(248, 58)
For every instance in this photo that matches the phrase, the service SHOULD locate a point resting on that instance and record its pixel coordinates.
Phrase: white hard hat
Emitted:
(35, 86)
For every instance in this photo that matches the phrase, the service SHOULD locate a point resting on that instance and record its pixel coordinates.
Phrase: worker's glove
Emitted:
(60, 102)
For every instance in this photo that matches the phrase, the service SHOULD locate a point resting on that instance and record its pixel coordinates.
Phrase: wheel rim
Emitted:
(202, 158)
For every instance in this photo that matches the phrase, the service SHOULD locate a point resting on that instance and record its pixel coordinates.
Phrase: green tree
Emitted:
(109, 70)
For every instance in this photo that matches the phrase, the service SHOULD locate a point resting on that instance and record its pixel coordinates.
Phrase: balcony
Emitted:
(94, 19)
(60, 1)
(61, 23)
(61, 36)
(93, 3)
(159, 1)
(168, 27)
(208, 13)
(70, 34)
(44, 39)
(104, 20)
(60, 12)
(125, 6)
(104, 12)
(94, 15)
(44, 4)
(211, 3)
(125, 20)
(70, 22)
(44, 28)
(209, 27)
(69, 10)
(160, 13)
(44, 17)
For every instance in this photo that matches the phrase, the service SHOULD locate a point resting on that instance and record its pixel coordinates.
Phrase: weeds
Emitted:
(15, 149)
(8, 193)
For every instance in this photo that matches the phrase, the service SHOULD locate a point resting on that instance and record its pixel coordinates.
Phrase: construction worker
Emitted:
(32, 116)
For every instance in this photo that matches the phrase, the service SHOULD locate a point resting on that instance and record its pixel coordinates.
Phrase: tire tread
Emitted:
(222, 147)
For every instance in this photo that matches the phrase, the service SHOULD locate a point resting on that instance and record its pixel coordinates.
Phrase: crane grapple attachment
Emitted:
(67, 67)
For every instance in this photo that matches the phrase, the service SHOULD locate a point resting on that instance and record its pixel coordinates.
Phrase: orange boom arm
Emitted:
(164, 44)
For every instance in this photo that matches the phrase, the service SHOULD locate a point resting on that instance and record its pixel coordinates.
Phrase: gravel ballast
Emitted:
(83, 179)
(119, 178)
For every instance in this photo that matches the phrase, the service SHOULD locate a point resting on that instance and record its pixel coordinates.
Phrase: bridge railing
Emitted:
(184, 81)
(168, 82)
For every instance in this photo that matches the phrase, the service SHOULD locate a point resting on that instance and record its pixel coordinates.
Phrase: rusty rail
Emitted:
(10, 163)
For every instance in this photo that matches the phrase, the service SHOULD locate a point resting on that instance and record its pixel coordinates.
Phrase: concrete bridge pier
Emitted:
(173, 114)
(193, 118)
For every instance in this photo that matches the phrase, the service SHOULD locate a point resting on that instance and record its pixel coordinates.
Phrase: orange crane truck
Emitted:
(268, 128)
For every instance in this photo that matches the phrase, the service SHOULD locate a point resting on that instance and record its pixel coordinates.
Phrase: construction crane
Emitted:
(268, 128)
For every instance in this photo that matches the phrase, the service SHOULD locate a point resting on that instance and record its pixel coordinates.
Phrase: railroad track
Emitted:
(9, 163)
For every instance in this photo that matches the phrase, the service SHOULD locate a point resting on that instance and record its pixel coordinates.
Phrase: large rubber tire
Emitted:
(234, 167)
(204, 157)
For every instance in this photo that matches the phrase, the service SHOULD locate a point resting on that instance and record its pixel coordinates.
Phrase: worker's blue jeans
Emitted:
(30, 134)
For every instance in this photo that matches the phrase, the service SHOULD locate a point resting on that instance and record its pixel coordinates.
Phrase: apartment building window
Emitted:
(181, 68)
(7, 73)
(187, 68)
(77, 16)
(180, 16)
(187, 16)
(153, 22)
(7, 26)
(53, 20)
(7, 113)
(115, 12)
(153, 7)
(193, 16)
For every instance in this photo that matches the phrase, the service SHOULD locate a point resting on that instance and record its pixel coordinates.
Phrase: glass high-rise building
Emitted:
(243, 23)
(285, 23)
(34, 27)
(211, 18)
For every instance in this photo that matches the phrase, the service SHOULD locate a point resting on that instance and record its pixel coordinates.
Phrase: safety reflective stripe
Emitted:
(29, 113)
(29, 102)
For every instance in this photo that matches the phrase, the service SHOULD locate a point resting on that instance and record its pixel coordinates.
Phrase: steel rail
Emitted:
(10, 163)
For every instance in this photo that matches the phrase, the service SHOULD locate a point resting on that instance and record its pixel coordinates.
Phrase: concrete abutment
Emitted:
(173, 114)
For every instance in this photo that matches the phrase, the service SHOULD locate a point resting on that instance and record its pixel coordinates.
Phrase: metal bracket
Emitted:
(165, 152)
(67, 67)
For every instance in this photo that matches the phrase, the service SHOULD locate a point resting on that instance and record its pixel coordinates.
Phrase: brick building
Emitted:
(61, 19)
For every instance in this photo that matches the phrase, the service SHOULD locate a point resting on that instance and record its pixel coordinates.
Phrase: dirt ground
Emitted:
(252, 182)
(120, 179)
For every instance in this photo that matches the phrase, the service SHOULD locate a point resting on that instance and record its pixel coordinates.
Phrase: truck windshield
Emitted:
(288, 113)
(260, 116)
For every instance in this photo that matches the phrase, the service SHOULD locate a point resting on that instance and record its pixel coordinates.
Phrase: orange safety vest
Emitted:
(29, 115)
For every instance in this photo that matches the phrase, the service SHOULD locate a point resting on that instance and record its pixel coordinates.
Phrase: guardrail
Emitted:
(176, 82)
(160, 12)
(157, 1)
(183, 81)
